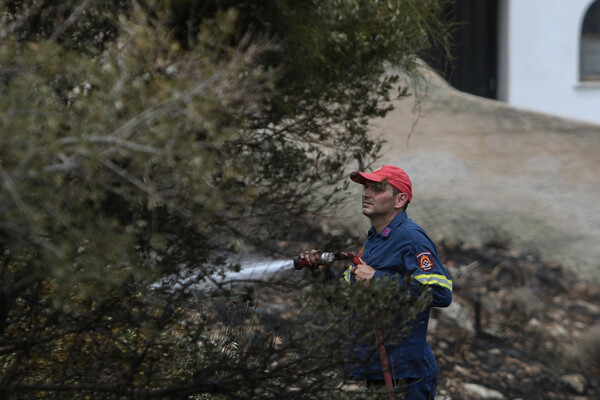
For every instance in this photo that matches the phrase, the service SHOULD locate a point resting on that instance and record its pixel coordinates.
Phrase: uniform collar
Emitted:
(387, 231)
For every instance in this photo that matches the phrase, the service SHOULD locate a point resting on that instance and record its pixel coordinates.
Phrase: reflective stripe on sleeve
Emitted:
(434, 279)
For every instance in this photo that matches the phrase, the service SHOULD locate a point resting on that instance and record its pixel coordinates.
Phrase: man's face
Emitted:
(378, 200)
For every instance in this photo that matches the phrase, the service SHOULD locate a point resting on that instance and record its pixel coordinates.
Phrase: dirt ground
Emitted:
(484, 172)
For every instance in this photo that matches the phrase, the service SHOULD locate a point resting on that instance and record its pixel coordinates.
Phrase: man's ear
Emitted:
(401, 200)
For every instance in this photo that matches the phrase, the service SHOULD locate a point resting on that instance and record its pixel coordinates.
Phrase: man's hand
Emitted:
(363, 272)
(313, 259)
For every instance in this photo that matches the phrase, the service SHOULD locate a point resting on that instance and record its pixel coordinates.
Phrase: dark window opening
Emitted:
(590, 44)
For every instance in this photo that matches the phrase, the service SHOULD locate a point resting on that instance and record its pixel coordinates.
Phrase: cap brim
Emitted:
(362, 177)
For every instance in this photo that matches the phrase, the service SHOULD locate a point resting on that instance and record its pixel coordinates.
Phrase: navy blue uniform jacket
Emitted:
(403, 248)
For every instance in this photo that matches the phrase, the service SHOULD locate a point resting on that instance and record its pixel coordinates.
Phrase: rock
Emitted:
(351, 388)
(433, 323)
(492, 303)
(459, 315)
(557, 331)
(495, 352)
(575, 382)
(483, 392)
(533, 370)
(277, 343)
(554, 266)
(586, 290)
(510, 379)
(588, 307)
(463, 372)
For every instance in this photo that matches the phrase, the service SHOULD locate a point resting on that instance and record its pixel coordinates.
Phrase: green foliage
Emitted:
(143, 141)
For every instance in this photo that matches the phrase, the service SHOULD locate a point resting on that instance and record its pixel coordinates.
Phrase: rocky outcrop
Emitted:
(487, 173)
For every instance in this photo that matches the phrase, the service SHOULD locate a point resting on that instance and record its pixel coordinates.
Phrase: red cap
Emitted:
(388, 173)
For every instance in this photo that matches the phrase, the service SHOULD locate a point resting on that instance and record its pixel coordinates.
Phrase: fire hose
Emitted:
(328, 258)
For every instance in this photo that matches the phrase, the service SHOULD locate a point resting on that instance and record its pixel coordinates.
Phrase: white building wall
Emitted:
(539, 56)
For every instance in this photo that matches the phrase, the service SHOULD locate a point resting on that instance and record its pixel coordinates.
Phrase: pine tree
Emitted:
(142, 142)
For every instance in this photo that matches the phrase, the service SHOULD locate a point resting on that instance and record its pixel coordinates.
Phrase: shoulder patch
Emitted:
(425, 261)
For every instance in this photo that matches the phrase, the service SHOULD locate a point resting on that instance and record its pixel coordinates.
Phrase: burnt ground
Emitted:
(519, 328)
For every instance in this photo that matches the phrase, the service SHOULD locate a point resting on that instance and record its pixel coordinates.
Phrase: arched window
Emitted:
(590, 44)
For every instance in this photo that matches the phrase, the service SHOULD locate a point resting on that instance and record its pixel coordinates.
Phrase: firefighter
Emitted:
(395, 246)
